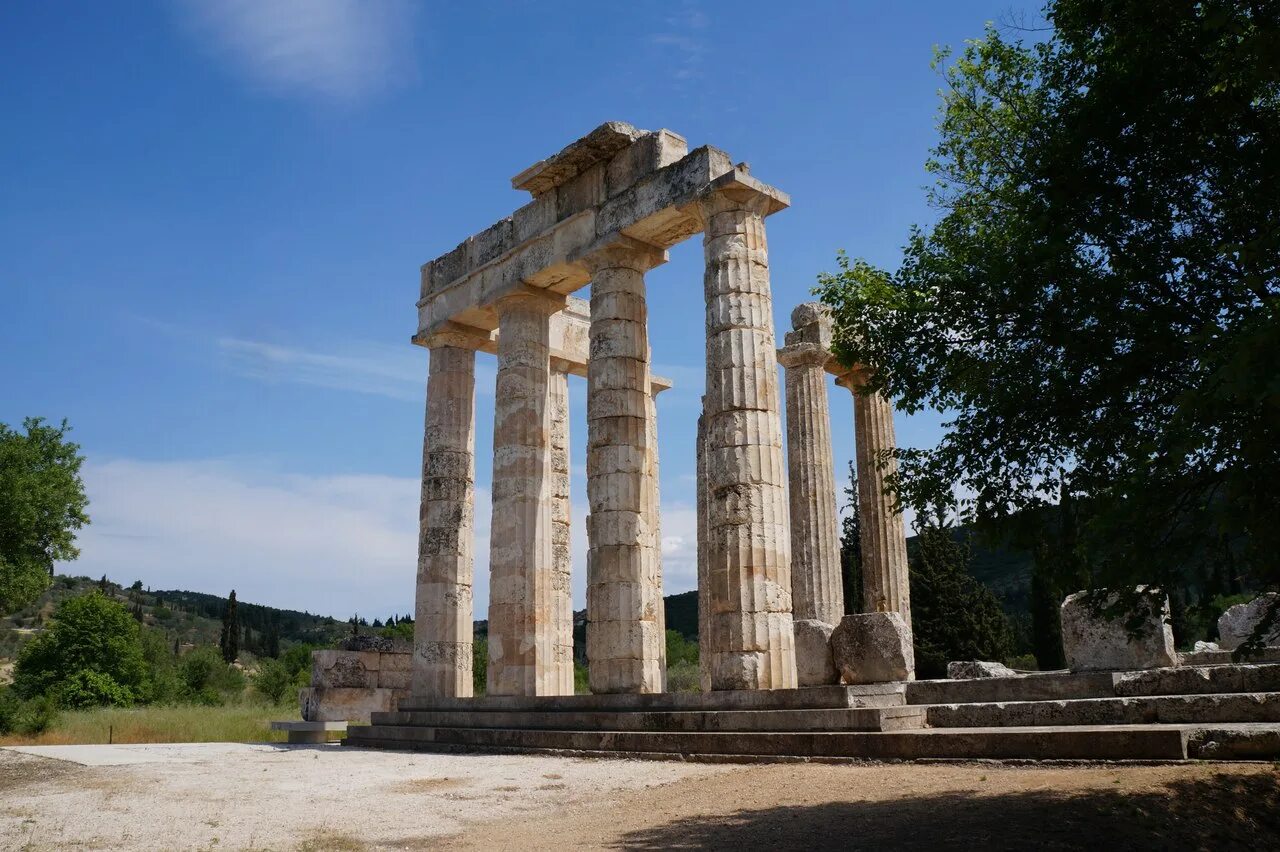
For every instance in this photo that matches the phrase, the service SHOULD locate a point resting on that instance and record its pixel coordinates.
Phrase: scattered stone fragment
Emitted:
(873, 647)
(814, 666)
(1098, 643)
(1237, 624)
(969, 669)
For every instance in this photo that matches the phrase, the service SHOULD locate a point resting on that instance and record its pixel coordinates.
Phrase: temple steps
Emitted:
(841, 719)
(1144, 710)
(1212, 712)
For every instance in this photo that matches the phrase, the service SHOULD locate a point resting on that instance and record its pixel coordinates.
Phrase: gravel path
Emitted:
(219, 796)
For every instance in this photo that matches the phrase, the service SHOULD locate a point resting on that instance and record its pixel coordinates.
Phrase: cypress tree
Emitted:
(851, 547)
(230, 641)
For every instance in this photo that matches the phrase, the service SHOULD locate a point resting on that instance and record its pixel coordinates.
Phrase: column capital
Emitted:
(803, 355)
(854, 378)
(739, 191)
(534, 298)
(456, 335)
(624, 253)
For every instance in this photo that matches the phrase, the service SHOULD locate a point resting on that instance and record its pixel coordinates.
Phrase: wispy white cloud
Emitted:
(683, 39)
(331, 544)
(398, 372)
(340, 50)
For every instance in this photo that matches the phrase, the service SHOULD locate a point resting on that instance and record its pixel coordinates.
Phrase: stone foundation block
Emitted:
(343, 704)
(873, 647)
(345, 669)
(1237, 624)
(1098, 643)
(814, 666)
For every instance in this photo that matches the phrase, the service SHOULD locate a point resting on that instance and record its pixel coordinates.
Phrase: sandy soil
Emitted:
(264, 797)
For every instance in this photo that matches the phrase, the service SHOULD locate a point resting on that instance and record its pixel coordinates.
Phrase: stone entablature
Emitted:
(347, 686)
(646, 191)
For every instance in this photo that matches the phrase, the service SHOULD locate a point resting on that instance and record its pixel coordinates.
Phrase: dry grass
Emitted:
(177, 724)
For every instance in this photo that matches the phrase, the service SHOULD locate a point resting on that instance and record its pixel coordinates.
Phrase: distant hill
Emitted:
(185, 617)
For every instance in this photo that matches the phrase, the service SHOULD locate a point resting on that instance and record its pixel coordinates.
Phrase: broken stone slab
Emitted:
(814, 666)
(1202, 646)
(1237, 624)
(310, 732)
(873, 647)
(1096, 642)
(970, 669)
(347, 704)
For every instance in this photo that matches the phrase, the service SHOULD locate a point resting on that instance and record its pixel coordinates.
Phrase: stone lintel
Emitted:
(597, 146)
(569, 329)
(659, 207)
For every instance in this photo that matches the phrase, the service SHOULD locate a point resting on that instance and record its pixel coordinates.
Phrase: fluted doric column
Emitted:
(706, 644)
(522, 640)
(561, 533)
(442, 627)
(749, 558)
(816, 592)
(655, 506)
(624, 590)
(886, 585)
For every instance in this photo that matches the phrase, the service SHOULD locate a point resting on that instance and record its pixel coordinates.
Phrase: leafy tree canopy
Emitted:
(1097, 304)
(42, 504)
(91, 652)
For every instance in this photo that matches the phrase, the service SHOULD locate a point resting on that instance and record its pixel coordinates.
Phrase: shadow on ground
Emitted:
(1225, 811)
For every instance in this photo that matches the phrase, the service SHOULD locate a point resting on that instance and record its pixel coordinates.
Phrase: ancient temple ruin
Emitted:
(603, 212)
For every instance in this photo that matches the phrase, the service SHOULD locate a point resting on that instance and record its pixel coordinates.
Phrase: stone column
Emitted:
(749, 559)
(705, 642)
(442, 627)
(561, 537)
(521, 568)
(816, 592)
(624, 592)
(655, 523)
(886, 585)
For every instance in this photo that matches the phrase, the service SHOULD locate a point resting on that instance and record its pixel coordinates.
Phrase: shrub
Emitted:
(204, 678)
(272, 680)
(684, 676)
(10, 708)
(88, 633)
(297, 659)
(87, 688)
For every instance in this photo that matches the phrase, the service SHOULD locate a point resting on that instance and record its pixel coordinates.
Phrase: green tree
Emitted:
(953, 616)
(851, 546)
(1096, 307)
(42, 504)
(229, 641)
(479, 665)
(204, 677)
(92, 647)
(272, 680)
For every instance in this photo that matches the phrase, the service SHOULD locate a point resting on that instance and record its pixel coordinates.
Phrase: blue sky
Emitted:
(212, 214)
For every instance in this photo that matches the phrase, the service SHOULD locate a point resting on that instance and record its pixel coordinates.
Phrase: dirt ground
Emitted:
(217, 796)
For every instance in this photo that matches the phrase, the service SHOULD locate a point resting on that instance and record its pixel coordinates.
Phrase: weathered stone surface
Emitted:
(522, 642)
(624, 591)
(969, 669)
(381, 644)
(873, 647)
(1096, 643)
(1237, 624)
(1197, 680)
(886, 585)
(814, 666)
(748, 553)
(561, 536)
(344, 668)
(1202, 646)
(442, 628)
(816, 590)
(347, 704)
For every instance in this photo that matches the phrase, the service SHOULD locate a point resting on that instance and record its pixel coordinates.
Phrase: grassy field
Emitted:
(174, 724)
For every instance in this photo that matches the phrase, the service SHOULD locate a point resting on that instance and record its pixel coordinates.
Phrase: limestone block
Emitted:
(355, 669)
(970, 669)
(347, 704)
(1098, 643)
(814, 666)
(873, 647)
(1237, 624)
